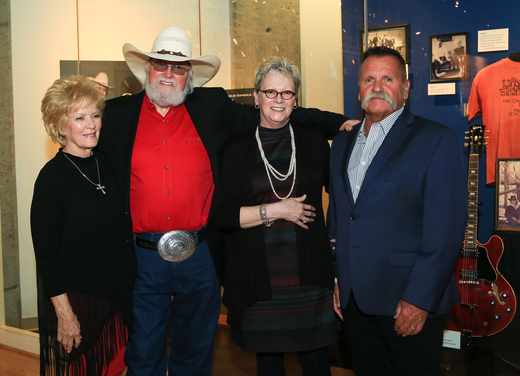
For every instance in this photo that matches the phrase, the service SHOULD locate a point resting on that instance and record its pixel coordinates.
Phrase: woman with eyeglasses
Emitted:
(82, 241)
(279, 272)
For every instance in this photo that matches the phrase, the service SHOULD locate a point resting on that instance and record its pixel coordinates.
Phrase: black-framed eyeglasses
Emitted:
(272, 94)
(161, 67)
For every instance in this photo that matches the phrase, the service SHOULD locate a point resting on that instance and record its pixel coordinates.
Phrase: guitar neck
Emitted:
(470, 238)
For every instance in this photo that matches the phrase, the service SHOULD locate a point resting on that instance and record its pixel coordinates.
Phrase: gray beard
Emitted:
(381, 95)
(175, 98)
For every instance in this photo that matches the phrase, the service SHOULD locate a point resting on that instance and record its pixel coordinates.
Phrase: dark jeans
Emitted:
(184, 295)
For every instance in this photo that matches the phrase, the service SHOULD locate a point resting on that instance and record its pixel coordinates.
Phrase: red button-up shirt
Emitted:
(171, 182)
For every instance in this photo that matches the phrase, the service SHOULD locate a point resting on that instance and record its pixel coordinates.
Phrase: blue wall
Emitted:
(430, 18)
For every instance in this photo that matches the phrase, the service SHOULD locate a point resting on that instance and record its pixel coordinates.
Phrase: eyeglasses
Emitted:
(272, 94)
(159, 66)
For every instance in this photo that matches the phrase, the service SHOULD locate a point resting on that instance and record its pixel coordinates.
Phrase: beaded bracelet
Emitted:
(263, 216)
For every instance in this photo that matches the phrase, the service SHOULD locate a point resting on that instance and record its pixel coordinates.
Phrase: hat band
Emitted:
(164, 52)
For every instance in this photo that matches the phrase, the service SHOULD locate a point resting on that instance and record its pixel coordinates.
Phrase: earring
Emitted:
(257, 106)
(62, 134)
(295, 106)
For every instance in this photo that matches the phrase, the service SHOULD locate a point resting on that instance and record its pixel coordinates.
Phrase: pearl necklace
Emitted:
(271, 170)
(98, 185)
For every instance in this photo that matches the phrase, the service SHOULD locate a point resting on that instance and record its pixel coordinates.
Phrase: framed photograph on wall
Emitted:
(507, 205)
(396, 37)
(449, 57)
(117, 78)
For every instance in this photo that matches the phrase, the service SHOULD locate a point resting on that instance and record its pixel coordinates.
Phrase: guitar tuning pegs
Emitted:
(466, 132)
(486, 143)
(466, 144)
(466, 138)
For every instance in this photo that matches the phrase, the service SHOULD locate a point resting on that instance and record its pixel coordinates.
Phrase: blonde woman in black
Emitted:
(82, 241)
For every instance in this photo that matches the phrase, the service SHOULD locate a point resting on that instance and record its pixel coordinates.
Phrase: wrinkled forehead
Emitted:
(397, 69)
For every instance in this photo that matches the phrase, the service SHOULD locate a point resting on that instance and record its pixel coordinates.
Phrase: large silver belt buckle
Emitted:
(176, 245)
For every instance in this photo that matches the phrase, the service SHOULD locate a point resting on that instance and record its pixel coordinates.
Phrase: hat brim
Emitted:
(102, 84)
(204, 67)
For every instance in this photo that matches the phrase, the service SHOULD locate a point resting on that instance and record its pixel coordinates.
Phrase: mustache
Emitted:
(159, 97)
(164, 79)
(381, 95)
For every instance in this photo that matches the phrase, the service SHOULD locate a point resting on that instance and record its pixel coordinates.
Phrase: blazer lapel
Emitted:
(347, 151)
(396, 135)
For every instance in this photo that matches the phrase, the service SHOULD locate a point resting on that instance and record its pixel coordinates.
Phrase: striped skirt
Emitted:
(298, 318)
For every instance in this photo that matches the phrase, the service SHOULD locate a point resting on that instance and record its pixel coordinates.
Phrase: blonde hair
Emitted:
(64, 97)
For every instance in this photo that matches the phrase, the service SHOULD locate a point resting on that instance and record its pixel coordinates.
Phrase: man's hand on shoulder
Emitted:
(348, 125)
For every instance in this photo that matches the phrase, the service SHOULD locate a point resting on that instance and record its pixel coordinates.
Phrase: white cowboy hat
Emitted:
(101, 79)
(172, 44)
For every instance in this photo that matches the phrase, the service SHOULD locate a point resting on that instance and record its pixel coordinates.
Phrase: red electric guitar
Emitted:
(488, 301)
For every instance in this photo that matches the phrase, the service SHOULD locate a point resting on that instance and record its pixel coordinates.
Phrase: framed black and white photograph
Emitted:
(114, 78)
(507, 195)
(449, 57)
(396, 37)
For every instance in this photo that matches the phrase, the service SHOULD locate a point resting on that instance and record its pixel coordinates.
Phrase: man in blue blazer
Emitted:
(398, 212)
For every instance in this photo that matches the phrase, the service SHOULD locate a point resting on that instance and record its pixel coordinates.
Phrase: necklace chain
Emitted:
(98, 185)
(272, 171)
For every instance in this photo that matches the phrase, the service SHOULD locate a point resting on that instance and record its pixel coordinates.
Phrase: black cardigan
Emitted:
(247, 275)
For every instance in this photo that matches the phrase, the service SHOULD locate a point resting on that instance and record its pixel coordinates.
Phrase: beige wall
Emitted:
(322, 54)
(43, 33)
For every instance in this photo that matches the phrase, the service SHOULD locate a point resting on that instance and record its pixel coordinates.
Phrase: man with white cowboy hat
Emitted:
(101, 81)
(165, 145)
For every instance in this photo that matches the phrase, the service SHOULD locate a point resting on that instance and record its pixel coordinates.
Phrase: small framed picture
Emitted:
(507, 216)
(449, 57)
(396, 37)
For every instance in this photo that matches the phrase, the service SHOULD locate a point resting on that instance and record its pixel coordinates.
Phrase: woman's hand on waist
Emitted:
(293, 210)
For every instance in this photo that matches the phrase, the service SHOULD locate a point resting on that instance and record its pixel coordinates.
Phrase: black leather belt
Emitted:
(200, 236)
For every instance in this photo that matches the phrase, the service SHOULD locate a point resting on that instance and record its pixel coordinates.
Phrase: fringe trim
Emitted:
(97, 357)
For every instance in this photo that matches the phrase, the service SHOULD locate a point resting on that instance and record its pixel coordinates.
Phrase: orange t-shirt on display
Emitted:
(495, 96)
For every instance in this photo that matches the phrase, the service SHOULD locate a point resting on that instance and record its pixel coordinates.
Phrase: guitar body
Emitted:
(488, 303)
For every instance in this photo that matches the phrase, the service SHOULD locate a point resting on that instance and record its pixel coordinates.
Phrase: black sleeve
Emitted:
(328, 122)
(46, 227)
(227, 216)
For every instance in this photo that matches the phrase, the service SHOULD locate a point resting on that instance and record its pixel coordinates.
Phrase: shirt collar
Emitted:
(385, 124)
(152, 106)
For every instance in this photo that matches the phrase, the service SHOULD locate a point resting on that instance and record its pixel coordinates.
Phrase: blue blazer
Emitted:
(401, 238)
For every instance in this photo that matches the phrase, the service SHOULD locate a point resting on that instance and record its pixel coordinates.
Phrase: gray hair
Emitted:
(280, 65)
(189, 82)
